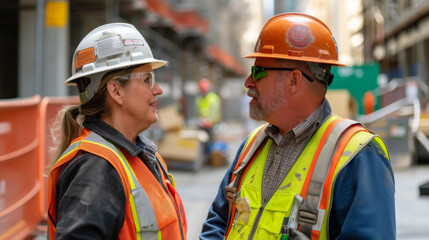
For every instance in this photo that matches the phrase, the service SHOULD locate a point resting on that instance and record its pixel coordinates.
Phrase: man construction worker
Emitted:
(307, 173)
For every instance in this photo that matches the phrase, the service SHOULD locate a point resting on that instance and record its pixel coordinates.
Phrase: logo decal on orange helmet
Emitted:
(299, 36)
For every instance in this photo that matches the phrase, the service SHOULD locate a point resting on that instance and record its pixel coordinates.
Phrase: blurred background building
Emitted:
(198, 38)
(385, 44)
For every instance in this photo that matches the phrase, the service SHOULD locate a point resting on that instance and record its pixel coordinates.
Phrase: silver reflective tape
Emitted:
(70, 148)
(145, 211)
(149, 235)
(93, 137)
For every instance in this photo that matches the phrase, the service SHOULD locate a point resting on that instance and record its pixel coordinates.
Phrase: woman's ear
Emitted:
(115, 92)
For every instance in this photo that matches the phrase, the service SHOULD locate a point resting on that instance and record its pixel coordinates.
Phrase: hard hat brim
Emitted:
(294, 58)
(154, 62)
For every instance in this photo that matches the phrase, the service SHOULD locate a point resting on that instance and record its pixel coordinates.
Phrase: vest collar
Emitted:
(108, 132)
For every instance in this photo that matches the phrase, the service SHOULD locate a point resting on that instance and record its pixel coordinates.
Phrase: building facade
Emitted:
(197, 38)
(396, 36)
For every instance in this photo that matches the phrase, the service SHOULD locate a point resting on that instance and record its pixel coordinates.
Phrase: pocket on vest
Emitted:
(275, 211)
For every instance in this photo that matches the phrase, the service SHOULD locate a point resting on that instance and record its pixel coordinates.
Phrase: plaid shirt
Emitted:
(285, 150)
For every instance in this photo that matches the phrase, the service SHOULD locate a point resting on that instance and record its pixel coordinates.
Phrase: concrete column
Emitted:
(26, 51)
(56, 62)
(46, 74)
(56, 67)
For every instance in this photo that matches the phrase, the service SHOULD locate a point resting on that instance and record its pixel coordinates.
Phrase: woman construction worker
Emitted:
(108, 182)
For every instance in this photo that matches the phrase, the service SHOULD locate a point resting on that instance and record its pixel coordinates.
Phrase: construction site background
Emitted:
(385, 45)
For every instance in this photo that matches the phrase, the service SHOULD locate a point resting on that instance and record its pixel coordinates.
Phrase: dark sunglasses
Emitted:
(260, 72)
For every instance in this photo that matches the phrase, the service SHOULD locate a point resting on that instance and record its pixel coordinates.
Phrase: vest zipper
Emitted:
(257, 218)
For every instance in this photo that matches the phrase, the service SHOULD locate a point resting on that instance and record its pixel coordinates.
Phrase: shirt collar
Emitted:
(304, 128)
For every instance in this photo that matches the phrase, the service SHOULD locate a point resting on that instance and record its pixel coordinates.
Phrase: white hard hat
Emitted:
(109, 47)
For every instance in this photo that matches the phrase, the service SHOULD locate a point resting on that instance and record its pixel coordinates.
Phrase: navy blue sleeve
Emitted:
(215, 224)
(364, 198)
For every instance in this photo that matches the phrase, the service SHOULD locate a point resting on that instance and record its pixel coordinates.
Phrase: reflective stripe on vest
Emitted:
(142, 219)
(358, 141)
(143, 213)
(271, 214)
(309, 213)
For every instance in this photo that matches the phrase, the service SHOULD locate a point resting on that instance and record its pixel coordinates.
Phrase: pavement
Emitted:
(197, 190)
(412, 210)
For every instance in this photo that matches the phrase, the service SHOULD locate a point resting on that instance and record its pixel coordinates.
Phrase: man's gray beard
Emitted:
(265, 107)
(255, 110)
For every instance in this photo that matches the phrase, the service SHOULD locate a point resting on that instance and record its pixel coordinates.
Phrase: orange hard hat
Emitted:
(204, 85)
(296, 36)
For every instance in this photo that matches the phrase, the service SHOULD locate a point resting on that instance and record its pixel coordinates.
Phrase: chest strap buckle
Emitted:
(308, 217)
(308, 212)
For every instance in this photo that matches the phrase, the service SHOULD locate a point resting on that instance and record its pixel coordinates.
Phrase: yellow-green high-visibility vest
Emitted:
(312, 176)
(209, 107)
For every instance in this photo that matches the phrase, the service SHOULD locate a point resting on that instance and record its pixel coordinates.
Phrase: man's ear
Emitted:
(115, 92)
(295, 80)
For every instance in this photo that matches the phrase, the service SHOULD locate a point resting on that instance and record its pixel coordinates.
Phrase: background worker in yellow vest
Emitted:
(107, 181)
(307, 174)
(208, 108)
(208, 105)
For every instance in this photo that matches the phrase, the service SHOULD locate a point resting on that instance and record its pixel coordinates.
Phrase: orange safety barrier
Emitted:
(19, 176)
(26, 149)
(49, 108)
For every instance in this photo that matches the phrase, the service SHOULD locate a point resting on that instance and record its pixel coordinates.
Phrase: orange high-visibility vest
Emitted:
(152, 210)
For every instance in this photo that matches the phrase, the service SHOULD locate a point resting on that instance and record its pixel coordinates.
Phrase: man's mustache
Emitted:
(252, 92)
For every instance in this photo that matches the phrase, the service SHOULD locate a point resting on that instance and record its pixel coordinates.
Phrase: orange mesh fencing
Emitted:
(26, 149)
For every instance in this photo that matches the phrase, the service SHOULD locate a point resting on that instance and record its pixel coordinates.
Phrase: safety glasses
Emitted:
(147, 78)
(260, 72)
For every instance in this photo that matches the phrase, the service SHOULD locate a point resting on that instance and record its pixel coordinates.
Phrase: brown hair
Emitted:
(71, 118)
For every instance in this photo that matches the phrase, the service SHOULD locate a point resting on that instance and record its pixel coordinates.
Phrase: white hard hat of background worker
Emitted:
(108, 47)
(298, 37)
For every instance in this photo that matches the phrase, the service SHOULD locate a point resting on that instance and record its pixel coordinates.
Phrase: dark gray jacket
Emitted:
(90, 195)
